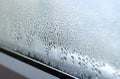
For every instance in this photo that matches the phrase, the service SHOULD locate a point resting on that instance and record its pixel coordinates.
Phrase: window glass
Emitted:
(79, 37)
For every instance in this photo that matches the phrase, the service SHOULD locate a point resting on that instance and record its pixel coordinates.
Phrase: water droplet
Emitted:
(79, 58)
(72, 57)
(80, 63)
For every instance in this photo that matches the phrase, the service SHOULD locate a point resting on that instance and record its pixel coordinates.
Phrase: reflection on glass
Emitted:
(79, 37)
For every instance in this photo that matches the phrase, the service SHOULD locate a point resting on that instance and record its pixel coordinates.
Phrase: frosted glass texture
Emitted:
(79, 37)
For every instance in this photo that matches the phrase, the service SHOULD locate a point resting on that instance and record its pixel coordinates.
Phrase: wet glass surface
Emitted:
(78, 37)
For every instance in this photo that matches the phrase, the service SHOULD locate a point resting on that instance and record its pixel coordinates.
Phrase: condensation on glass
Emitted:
(79, 37)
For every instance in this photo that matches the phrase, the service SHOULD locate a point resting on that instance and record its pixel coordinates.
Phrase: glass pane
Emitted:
(79, 37)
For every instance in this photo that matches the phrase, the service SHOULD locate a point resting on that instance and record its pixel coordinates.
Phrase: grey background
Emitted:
(23, 69)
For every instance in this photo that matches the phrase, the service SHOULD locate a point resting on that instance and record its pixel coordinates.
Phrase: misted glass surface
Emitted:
(79, 37)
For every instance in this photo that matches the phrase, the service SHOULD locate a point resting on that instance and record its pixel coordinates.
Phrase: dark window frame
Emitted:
(36, 64)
